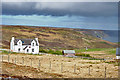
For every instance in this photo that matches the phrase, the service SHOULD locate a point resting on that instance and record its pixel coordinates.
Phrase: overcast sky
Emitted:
(87, 15)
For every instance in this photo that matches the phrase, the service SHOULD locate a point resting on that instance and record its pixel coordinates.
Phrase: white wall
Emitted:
(12, 44)
(15, 48)
(36, 49)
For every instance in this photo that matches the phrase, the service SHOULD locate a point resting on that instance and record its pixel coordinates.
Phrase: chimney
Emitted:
(36, 39)
(13, 38)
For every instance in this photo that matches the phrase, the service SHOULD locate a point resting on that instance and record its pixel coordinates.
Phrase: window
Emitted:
(32, 50)
(27, 50)
(33, 44)
(18, 49)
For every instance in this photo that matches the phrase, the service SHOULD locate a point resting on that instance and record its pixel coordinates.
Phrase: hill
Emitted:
(109, 35)
(55, 38)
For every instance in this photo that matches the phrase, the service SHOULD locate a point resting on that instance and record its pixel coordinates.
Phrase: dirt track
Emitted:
(68, 70)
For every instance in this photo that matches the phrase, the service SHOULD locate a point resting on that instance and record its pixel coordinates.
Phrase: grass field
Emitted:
(105, 53)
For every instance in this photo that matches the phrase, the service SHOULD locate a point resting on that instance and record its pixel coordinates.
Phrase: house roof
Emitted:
(69, 51)
(25, 41)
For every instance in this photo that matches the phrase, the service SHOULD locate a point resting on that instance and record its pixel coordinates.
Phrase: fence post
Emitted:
(105, 71)
(39, 64)
(2, 57)
(23, 61)
(89, 70)
(15, 60)
(31, 62)
(50, 66)
(12, 61)
(79, 69)
(8, 58)
(61, 67)
(75, 68)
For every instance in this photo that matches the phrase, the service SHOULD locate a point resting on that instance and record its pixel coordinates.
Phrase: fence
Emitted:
(52, 66)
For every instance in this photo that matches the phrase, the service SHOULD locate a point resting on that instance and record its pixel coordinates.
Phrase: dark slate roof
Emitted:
(25, 41)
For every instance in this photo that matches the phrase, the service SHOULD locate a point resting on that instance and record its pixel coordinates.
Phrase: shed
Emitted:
(69, 53)
(117, 53)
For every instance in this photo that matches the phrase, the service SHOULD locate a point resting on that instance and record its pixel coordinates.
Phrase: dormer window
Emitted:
(19, 42)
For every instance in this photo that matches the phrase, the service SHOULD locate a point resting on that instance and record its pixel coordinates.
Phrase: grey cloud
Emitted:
(87, 9)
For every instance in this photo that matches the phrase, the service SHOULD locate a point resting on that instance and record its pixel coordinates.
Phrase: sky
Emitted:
(84, 15)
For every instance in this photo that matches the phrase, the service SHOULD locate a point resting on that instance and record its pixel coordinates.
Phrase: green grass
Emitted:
(90, 50)
(104, 42)
(114, 63)
(92, 58)
(43, 50)
(108, 50)
(50, 51)
(84, 55)
(7, 52)
(111, 51)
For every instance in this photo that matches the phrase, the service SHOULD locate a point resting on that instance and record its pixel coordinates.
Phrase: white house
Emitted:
(24, 45)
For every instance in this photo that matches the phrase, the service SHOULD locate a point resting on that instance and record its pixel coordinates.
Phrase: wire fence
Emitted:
(55, 67)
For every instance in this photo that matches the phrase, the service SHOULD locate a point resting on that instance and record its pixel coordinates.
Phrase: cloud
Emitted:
(86, 9)
(108, 23)
(88, 15)
(60, 0)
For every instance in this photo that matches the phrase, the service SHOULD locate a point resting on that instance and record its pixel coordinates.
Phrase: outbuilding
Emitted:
(118, 53)
(69, 53)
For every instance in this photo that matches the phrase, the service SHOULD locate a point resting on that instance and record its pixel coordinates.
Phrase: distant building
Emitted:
(69, 53)
(86, 48)
(24, 45)
(118, 53)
